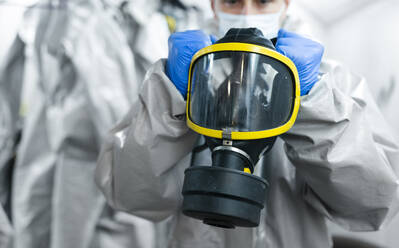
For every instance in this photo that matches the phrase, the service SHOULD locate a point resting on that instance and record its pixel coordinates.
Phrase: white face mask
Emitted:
(269, 24)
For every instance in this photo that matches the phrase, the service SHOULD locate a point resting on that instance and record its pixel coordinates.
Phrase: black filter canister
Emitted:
(223, 197)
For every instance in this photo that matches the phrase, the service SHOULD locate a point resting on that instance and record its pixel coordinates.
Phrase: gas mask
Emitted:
(241, 95)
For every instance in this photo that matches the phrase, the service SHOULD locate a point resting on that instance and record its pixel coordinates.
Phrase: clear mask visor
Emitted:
(240, 92)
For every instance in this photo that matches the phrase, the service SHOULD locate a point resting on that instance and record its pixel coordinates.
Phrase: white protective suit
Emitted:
(10, 93)
(78, 81)
(339, 161)
(81, 70)
(141, 17)
(5, 156)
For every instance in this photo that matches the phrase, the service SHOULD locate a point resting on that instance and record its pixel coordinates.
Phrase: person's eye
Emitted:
(264, 1)
(231, 2)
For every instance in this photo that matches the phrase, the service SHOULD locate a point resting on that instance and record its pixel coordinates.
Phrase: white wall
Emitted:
(311, 25)
(368, 42)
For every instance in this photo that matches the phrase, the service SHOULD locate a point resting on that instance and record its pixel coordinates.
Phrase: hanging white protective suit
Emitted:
(79, 80)
(337, 162)
(140, 18)
(80, 76)
(5, 229)
(11, 75)
(6, 151)
(6, 145)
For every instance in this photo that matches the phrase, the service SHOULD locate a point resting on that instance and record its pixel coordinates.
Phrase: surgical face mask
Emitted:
(269, 24)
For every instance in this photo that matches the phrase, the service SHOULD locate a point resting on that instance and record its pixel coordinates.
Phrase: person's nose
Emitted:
(249, 8)
(246, 8)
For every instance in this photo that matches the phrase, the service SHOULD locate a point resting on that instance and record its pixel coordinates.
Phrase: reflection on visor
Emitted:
(240, 91)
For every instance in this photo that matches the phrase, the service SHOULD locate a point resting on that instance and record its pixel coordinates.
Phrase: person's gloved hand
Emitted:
(182, 47)
(306, 55)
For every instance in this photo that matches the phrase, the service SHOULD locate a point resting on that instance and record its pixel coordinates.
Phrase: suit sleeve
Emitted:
(344, 149)
(140, 169)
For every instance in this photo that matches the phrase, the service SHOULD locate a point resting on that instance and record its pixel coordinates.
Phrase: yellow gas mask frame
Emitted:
(249, 48)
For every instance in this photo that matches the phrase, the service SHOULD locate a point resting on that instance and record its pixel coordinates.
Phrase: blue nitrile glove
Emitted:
(182, 47)
(306, 55)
